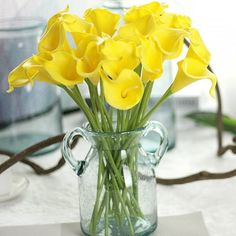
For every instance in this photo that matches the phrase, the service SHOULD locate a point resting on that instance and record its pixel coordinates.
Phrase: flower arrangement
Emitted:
(119, 64)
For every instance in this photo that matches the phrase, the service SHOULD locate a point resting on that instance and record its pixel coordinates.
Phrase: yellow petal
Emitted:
(89, 64)
(54, 36)
(28, 71)
(73, 23)
(149, 76)
(114, 67)
(135, 13)
(117, 49)
(170, 41)
(103, 20)
(62, 68)
(55, 18)
(118, 55)
(139, 29)
(151, 57)
(191, 70)
(53, 39)
(198, 48)
(170, 20)
(84, 42)
(18, 77)
(124, 92)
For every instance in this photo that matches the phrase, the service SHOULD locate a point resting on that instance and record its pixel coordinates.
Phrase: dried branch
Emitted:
(28, 151)
(202, 175)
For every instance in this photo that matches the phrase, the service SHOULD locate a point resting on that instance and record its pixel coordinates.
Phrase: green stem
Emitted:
(143, 103)
(153, 109)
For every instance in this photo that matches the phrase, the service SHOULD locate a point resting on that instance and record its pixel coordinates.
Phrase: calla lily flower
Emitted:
(124, 92)
(29, 71)
(104, 21)
(62, 68)
(175, 21)
(152, 59)
(191, 70)
(138, 30)
(89, 64)
(118, 55)
(117, 49)
(55, 38)
(18, 77)
(170, 41)
(198, 48)
(135, 13)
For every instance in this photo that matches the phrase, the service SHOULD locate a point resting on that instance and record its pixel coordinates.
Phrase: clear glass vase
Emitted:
(117, 182)
(26, 113)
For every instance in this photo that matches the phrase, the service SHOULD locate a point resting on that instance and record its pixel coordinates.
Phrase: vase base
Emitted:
(141, 227)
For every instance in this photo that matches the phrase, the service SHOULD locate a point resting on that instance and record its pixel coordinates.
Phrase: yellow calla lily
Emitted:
(117, 49)
(198, 48)
(62, 68)
(84, 42)
(55, 17)
(118, 55)
(124, 92)
(104, 21)
(139, 29)
(18, 77)
(88, 65)
(53, 39)
(135, 13)
(191, 70)
(170, 41)
(28, 71)
(149, 76)
(151, 58)
(170, 20)
(114, 68)
(54, 36)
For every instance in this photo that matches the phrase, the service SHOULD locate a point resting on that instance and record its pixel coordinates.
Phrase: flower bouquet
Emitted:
(119, 63)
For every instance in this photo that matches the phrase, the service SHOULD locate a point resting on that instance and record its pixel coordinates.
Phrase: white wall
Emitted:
(215, 20)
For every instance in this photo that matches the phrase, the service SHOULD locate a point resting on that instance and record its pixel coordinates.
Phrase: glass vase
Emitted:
(32, 113)
(117, 182)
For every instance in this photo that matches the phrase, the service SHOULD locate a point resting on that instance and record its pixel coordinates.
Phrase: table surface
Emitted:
(54, 198)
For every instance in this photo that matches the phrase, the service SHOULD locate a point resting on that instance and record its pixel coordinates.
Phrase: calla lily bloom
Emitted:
(29, 71)
(175, 21)
(135, 13)
(198, 48)
(191, 70)
(18, 77)
(117, 49)
(104, 21)
(62, 68)
(124, 92)
(55, 34)
(88, 65)
(170, 41)
(118, 55)
(53, 39)
(138, 30)
(151, 58)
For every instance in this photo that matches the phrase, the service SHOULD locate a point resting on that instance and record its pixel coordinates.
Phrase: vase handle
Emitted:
(76, 165)
(155, 156)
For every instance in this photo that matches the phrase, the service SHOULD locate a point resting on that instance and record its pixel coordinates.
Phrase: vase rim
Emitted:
(12, 24)
(86, 127)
